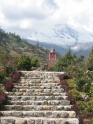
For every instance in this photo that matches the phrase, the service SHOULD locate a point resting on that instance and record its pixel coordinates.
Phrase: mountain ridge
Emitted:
(62, 50)
(63, 37)
(13, 45)
(61, 34)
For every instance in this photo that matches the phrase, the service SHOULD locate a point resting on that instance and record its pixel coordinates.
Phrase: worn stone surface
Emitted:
(20, 121)
(7, 121)
(31, 121)
(38, 99)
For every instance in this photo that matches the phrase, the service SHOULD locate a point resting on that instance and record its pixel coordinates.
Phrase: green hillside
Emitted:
(14, 46)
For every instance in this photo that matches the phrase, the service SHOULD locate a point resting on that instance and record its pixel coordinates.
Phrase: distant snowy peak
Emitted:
(62, 34)
(66, 32)
(82, 46)
(39, 36)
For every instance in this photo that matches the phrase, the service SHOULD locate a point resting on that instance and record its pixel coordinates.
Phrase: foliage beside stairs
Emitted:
(15, 76)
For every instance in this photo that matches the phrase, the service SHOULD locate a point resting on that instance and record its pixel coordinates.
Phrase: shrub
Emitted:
(24, 62)
(91, 120)
(64, 76)
(35, 61)
(10, 68)
(8, 86)
(83, 85)
(81, 121)
(76, 109)
(88, 115)
(3, 98)
(83, 107)
(2, 77)
(1, 88)
(71, 98)
(76, 94)
(64, 85)
(15, 76)
(72, 83)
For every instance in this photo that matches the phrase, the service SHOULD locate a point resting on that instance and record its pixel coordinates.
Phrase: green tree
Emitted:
(68, 62)
(24, 62)
(89, 60)
(35, 61)
(64, 61)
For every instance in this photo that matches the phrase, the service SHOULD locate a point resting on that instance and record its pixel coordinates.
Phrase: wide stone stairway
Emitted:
(37, 99)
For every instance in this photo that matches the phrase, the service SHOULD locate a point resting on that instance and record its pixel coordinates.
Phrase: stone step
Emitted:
(35, 108)
(38, 99)
(38, 81)
(40, 74)
(37, 120)
(36, 84)
(30, 77)
(16, 98)
(48, 114)
(36, 93)
(37, 87)
(35, 72)
(39, 90)
(44, 102)
(41, 77)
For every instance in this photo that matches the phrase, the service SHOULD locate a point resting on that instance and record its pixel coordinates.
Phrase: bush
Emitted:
(76, 94)
(8, 86)
(83, 107)
(1, 88)
(81, 121)
(72, 84)
(10, 68)
(24, 63)
(3, 98)
(2, 77)
(35, 61)
(64, 76)
(71, 98)
(15, 76)
(75, 108)
(91, 120)
(82, 85)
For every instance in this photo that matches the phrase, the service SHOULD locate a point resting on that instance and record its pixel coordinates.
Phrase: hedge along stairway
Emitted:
(38, 99)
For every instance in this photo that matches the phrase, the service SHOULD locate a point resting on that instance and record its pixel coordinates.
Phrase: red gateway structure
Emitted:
(52, 54)
(52, 58)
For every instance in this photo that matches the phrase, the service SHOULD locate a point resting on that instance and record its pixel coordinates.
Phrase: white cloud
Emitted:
(29, 15)
(24, 24)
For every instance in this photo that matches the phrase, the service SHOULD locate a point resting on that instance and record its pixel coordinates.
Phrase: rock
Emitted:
(20, 121)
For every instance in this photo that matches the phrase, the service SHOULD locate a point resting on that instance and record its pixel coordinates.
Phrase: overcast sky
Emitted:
(26, 16)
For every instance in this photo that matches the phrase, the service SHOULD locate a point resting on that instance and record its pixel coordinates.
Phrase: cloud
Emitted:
(32, 15)
(34, 9)
(50, 3)
(22, 10)
(80, 11)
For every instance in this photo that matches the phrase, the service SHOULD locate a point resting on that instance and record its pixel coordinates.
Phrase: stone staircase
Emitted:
(37, 99)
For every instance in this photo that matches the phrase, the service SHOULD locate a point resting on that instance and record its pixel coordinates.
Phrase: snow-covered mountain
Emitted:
(64, 36)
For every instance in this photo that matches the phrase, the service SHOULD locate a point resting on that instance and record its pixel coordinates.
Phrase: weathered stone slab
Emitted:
(20, 121)
(7, 121)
